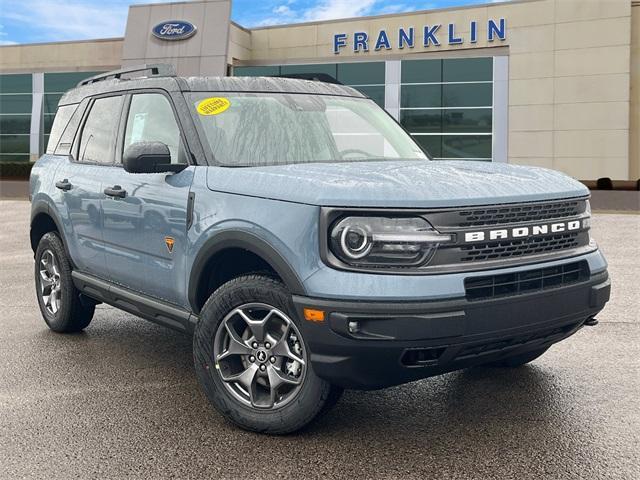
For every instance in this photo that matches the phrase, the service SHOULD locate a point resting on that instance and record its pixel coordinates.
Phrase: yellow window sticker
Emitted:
(213, 105)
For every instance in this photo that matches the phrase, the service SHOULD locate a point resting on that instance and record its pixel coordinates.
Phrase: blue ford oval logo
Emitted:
(174, 30)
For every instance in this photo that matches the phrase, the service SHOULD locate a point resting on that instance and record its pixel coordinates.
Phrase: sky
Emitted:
(32, 21)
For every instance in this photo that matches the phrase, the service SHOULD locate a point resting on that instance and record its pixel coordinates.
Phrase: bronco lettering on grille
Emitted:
(521, 232)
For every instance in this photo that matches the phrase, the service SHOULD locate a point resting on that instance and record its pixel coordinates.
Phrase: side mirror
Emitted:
(149, 157)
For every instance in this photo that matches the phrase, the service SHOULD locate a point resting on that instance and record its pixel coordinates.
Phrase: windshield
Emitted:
(262, 129)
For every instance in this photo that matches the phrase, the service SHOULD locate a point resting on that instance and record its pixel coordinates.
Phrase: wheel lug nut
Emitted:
(267, 345)
(252, 359)
(272, 359)
(262, 367)
(254, 345)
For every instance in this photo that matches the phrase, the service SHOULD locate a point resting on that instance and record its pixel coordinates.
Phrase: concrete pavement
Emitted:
(121, 400)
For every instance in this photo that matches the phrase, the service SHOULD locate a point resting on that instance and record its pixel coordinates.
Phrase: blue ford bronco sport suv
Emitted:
(302, 237)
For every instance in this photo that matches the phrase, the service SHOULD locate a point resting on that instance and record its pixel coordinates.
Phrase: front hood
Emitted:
(404, 184)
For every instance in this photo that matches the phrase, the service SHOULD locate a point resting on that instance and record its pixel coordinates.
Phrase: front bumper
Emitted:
(370, 345)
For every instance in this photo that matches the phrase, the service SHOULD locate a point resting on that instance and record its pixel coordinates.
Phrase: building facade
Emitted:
(553, 83)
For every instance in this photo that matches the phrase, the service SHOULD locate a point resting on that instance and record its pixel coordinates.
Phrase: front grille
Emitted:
(508, 284)
(517, 248)
(542, 337)
(519, 213)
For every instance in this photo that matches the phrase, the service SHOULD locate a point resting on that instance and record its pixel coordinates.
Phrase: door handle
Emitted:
(116, 191)
(64, 185)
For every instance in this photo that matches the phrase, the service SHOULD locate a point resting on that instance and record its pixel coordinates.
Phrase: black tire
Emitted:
(313, 397)
(518, 360)
(72, 314)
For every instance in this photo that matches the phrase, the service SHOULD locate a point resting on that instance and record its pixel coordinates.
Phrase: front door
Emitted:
(145, 215)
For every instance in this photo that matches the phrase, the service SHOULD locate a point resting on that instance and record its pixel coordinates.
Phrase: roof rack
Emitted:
(318, 77)
(157, 70)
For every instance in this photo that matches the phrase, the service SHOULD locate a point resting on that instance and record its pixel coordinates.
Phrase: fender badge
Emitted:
(169, 242)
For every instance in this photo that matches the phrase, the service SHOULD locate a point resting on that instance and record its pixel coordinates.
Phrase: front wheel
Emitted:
(252, 360)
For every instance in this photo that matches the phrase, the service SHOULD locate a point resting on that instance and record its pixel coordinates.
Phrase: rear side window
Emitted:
(60, 122)
(98, 137)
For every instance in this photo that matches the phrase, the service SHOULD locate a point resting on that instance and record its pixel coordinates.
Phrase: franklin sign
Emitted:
(427, 36)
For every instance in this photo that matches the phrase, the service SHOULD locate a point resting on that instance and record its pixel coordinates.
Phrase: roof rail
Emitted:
(157, 70)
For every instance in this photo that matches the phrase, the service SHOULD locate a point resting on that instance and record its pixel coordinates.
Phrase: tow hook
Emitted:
(591, 322)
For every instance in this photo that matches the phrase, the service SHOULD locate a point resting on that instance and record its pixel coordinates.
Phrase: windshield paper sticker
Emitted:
(213, 105)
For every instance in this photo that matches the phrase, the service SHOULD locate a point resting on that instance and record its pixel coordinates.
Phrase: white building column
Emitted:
(500, 109)
(37, 89)
(392, 69)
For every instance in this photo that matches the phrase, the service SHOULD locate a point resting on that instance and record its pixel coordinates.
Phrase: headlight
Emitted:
(384, 241)
(586, 223)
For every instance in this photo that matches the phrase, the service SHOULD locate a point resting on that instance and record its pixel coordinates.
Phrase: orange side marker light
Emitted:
(313, 315)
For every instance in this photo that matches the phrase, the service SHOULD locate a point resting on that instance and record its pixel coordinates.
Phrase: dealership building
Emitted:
(553, 83)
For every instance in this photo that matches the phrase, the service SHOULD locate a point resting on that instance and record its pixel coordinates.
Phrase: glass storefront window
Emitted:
(15, 104)
(422, 121)
(327, 68)
(361, 73)
(422, 71)
(466, 146)
(14, 144)
(269, 71)
(15, 116)
(447, 105)
(467, 120)
(421, 96)
(467, 69)
(366, 77)
(15, 83)
(467, 95)
(61, 82)
(15, 124)
(51, 102)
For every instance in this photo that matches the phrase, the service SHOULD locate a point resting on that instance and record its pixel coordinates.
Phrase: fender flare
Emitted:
(43, 207)
(246, 241)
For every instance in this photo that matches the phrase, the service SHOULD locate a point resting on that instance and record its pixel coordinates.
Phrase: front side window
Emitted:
(151, 119)
(100, 131)
(262, 129)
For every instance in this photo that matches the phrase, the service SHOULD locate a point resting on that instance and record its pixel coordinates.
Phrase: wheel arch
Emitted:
(43, 221)
(235, 241)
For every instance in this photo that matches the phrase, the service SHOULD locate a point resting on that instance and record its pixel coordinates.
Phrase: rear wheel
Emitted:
(518, 360)
(252, 360)
(60, 303)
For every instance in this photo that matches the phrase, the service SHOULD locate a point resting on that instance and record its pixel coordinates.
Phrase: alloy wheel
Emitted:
(260, 356)
(50, 286)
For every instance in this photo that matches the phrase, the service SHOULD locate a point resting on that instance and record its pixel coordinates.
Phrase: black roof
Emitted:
(208, 84)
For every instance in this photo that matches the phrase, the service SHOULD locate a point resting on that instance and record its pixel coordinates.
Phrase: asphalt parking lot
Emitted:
(121, 400)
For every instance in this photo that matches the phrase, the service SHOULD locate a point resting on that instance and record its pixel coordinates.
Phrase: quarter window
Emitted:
(100, 130)
(151, 119)
(59, 124)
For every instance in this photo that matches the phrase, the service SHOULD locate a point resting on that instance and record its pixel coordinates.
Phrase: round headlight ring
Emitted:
(364, 247)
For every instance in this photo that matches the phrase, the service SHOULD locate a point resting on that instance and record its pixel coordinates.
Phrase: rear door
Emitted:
(79, 182)
(145, 229)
